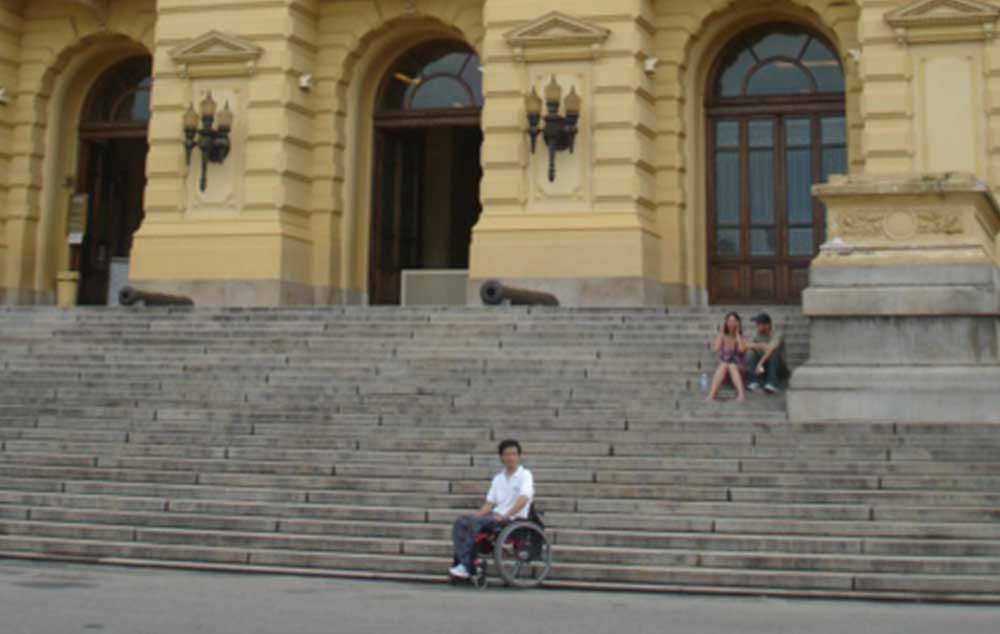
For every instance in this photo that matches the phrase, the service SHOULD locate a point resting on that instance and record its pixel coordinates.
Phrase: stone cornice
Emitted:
(931, 21)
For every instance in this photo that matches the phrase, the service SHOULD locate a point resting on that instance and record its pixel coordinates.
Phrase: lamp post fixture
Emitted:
(211, 140)
(559, 132)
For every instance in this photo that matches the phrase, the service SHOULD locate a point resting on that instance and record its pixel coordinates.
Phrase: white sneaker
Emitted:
(753, 387)
(459, 571)
(770, 389)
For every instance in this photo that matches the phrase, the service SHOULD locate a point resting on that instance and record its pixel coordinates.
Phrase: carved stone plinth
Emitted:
(904, 301)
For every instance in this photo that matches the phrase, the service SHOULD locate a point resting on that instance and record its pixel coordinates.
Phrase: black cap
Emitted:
(762, 318)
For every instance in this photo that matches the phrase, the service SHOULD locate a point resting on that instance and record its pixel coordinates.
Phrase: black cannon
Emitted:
(129, 296)
(493, 293)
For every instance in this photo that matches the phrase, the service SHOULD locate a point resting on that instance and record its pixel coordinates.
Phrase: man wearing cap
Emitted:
(766, 356)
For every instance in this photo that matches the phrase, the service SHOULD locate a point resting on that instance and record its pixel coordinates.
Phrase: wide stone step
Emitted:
(235, 532)
(420, 556)
(543, 452)
(564, 484)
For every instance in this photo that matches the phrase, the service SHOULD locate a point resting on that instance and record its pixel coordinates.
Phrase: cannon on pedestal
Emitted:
(129, 296)
(493, 293)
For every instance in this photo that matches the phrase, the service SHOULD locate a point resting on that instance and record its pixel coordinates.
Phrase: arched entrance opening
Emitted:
(111, 175)
(775, 126)
(425, 197)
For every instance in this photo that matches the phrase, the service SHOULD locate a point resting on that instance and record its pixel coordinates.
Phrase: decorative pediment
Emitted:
(216, 54)
(99, 5)
(556, 36)
(99, 8)
(928, 21)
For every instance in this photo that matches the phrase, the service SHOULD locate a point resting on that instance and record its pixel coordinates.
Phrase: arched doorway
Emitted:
(776, 126)
(111, 176)
(426, 174)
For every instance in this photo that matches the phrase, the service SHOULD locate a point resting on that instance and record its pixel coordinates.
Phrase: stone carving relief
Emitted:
(938, 222)
(894, 224)
(859, 224)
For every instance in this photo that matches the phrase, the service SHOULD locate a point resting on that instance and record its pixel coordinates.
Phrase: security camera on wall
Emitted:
(650, 65)
(4, 97)
(306, 82)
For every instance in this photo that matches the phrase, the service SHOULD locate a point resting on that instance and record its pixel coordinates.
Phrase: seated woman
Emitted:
(731, 348)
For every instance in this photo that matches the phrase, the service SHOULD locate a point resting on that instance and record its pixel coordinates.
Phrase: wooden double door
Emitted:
(764, 226)
(425, 202)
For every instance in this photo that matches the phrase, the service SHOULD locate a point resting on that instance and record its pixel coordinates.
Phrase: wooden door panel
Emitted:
(396, 205)
(764, 283)
(94, 252)
(798, 280)
(727, 283)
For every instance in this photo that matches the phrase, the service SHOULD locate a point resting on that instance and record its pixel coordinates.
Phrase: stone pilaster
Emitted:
(10, 58)
(590, 234)
(246, 239)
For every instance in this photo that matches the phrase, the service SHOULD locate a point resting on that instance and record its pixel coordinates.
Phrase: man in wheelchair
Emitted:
(509, 499)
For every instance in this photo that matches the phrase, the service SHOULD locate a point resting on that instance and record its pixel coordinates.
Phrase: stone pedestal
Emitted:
(118, 279)
(904, 302)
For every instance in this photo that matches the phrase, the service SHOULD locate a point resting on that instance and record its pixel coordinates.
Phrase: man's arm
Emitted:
(491, 500)
(771, 348)
(518, 506)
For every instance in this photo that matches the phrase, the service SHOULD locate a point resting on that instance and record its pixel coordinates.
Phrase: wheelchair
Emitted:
(520, 551)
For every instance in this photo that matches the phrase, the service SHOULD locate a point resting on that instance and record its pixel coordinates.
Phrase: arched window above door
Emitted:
(779, 61)
(121, 96)
(436, 76)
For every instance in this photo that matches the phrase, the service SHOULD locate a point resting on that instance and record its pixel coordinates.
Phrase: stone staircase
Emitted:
(344, 441)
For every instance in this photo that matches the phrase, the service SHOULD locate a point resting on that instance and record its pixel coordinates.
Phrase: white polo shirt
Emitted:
(506, 491)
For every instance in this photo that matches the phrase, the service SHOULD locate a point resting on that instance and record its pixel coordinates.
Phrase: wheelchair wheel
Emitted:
(522, 555)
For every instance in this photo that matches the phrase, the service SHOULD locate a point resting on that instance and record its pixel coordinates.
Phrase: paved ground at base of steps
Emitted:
(57, 598)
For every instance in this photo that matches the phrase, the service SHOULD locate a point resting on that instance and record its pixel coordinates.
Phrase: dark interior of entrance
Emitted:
(112, 173)
(429, 202)
(115, 184)
(427, 166)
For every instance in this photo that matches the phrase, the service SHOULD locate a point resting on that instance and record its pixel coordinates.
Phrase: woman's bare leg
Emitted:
(737, 378)
(717, 379)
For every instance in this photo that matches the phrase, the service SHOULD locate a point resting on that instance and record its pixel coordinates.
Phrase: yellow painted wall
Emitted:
(288, 215)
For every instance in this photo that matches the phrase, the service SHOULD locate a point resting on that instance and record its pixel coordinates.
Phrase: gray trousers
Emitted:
(775, 370)
(463, 536)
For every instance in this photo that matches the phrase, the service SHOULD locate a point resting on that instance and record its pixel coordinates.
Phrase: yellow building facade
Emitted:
(380, 151)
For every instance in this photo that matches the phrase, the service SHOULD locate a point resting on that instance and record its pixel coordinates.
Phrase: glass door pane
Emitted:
(727, 190)
(761, 175)
(799, 204)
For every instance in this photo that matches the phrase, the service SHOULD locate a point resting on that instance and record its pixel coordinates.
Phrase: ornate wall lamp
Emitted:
(211, 140)
(559, 132)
